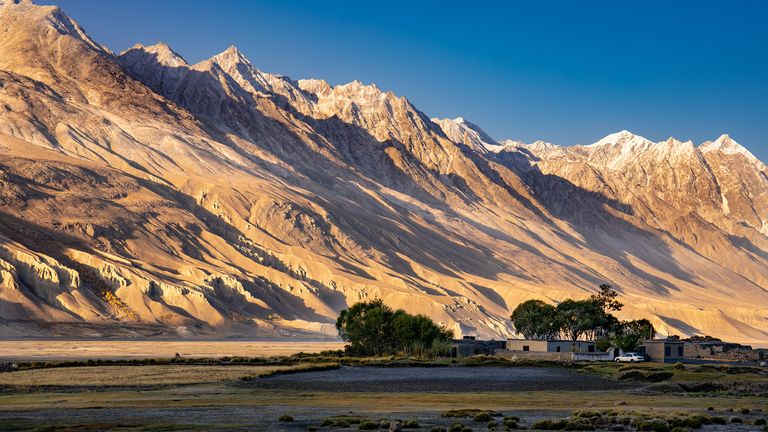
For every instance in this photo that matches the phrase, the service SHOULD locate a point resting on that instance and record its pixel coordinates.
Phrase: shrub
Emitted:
(368, 425)
(659, 376)
(760, 422)
(579, 424)
(341, 421)
(586, 414)
(482, 417)
(469, 413)
(492, 424)
(437, 429)
(745, 411)
(719, 420)
(456, 427)
(312, 429)
(411, 424)
(558, 424)
(679, 366)
(736, 420)
(511, 423)
(285, 418)
(653, 426)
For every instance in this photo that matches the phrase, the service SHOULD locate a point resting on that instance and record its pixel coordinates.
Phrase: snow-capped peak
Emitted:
(623, 138)
(463, 131)
(729, 146)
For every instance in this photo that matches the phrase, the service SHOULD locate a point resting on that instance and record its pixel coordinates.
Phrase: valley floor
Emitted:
(62, 349)
(254, 397)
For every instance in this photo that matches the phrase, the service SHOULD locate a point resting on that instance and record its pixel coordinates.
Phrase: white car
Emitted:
(630, 358)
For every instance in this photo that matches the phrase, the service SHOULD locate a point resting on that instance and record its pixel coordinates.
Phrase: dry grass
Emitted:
(149, 375)
(42, 350)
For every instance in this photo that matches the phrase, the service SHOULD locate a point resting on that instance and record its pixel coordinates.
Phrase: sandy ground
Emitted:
(19, 350)
(144, 375)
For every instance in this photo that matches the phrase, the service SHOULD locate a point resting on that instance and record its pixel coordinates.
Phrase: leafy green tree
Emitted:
(535, 319)
(367, 327)
(607, 298)
(372, 328)
(630, 333)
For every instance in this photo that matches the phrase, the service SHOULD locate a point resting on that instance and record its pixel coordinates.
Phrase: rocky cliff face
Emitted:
(141, 195)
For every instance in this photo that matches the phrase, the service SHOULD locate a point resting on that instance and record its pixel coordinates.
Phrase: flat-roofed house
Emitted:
(663, 350)
(541, 345)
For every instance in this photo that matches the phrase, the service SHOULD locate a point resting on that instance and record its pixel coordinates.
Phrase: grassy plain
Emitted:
(126, 397)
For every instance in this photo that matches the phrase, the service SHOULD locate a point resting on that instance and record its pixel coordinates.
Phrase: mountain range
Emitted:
(143, 196)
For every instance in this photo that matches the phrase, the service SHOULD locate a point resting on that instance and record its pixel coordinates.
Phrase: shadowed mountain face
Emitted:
(141, 195)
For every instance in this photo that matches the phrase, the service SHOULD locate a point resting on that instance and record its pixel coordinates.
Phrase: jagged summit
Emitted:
(230, 57)
(161, 53)
(142, 193)
(50, 20)
(727, 145)
(622, 138)
(461, 130)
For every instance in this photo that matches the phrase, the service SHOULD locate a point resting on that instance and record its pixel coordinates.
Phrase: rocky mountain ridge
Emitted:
(143, 196)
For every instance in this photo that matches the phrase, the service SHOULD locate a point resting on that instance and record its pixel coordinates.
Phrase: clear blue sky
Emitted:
(568, 72)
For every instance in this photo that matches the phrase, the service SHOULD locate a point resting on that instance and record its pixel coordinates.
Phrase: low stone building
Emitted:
(469, 346)
(663, 350)
(550, 345)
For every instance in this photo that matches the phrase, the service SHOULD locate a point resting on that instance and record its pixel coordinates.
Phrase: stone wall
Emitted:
(564, 357)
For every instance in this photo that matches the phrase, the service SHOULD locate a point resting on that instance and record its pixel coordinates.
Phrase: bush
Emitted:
(285, 418)
(368, 425)
(679, 366)
(736, 420)
(482, 417)
(437, 429)
(659, 376)
(411, 424)
(341, 421)
(719, 420)
(745, 411)
(579, 424)
(558, 424)
(456, 427)
(492, 424)
(653, 426)
(760, 422)
(312, 429)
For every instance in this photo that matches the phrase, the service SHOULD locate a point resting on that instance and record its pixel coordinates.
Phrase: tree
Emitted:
(372, 328)
(367, 326)
(535, 319)
(607, 298)
(631, 333)
(572, 318)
